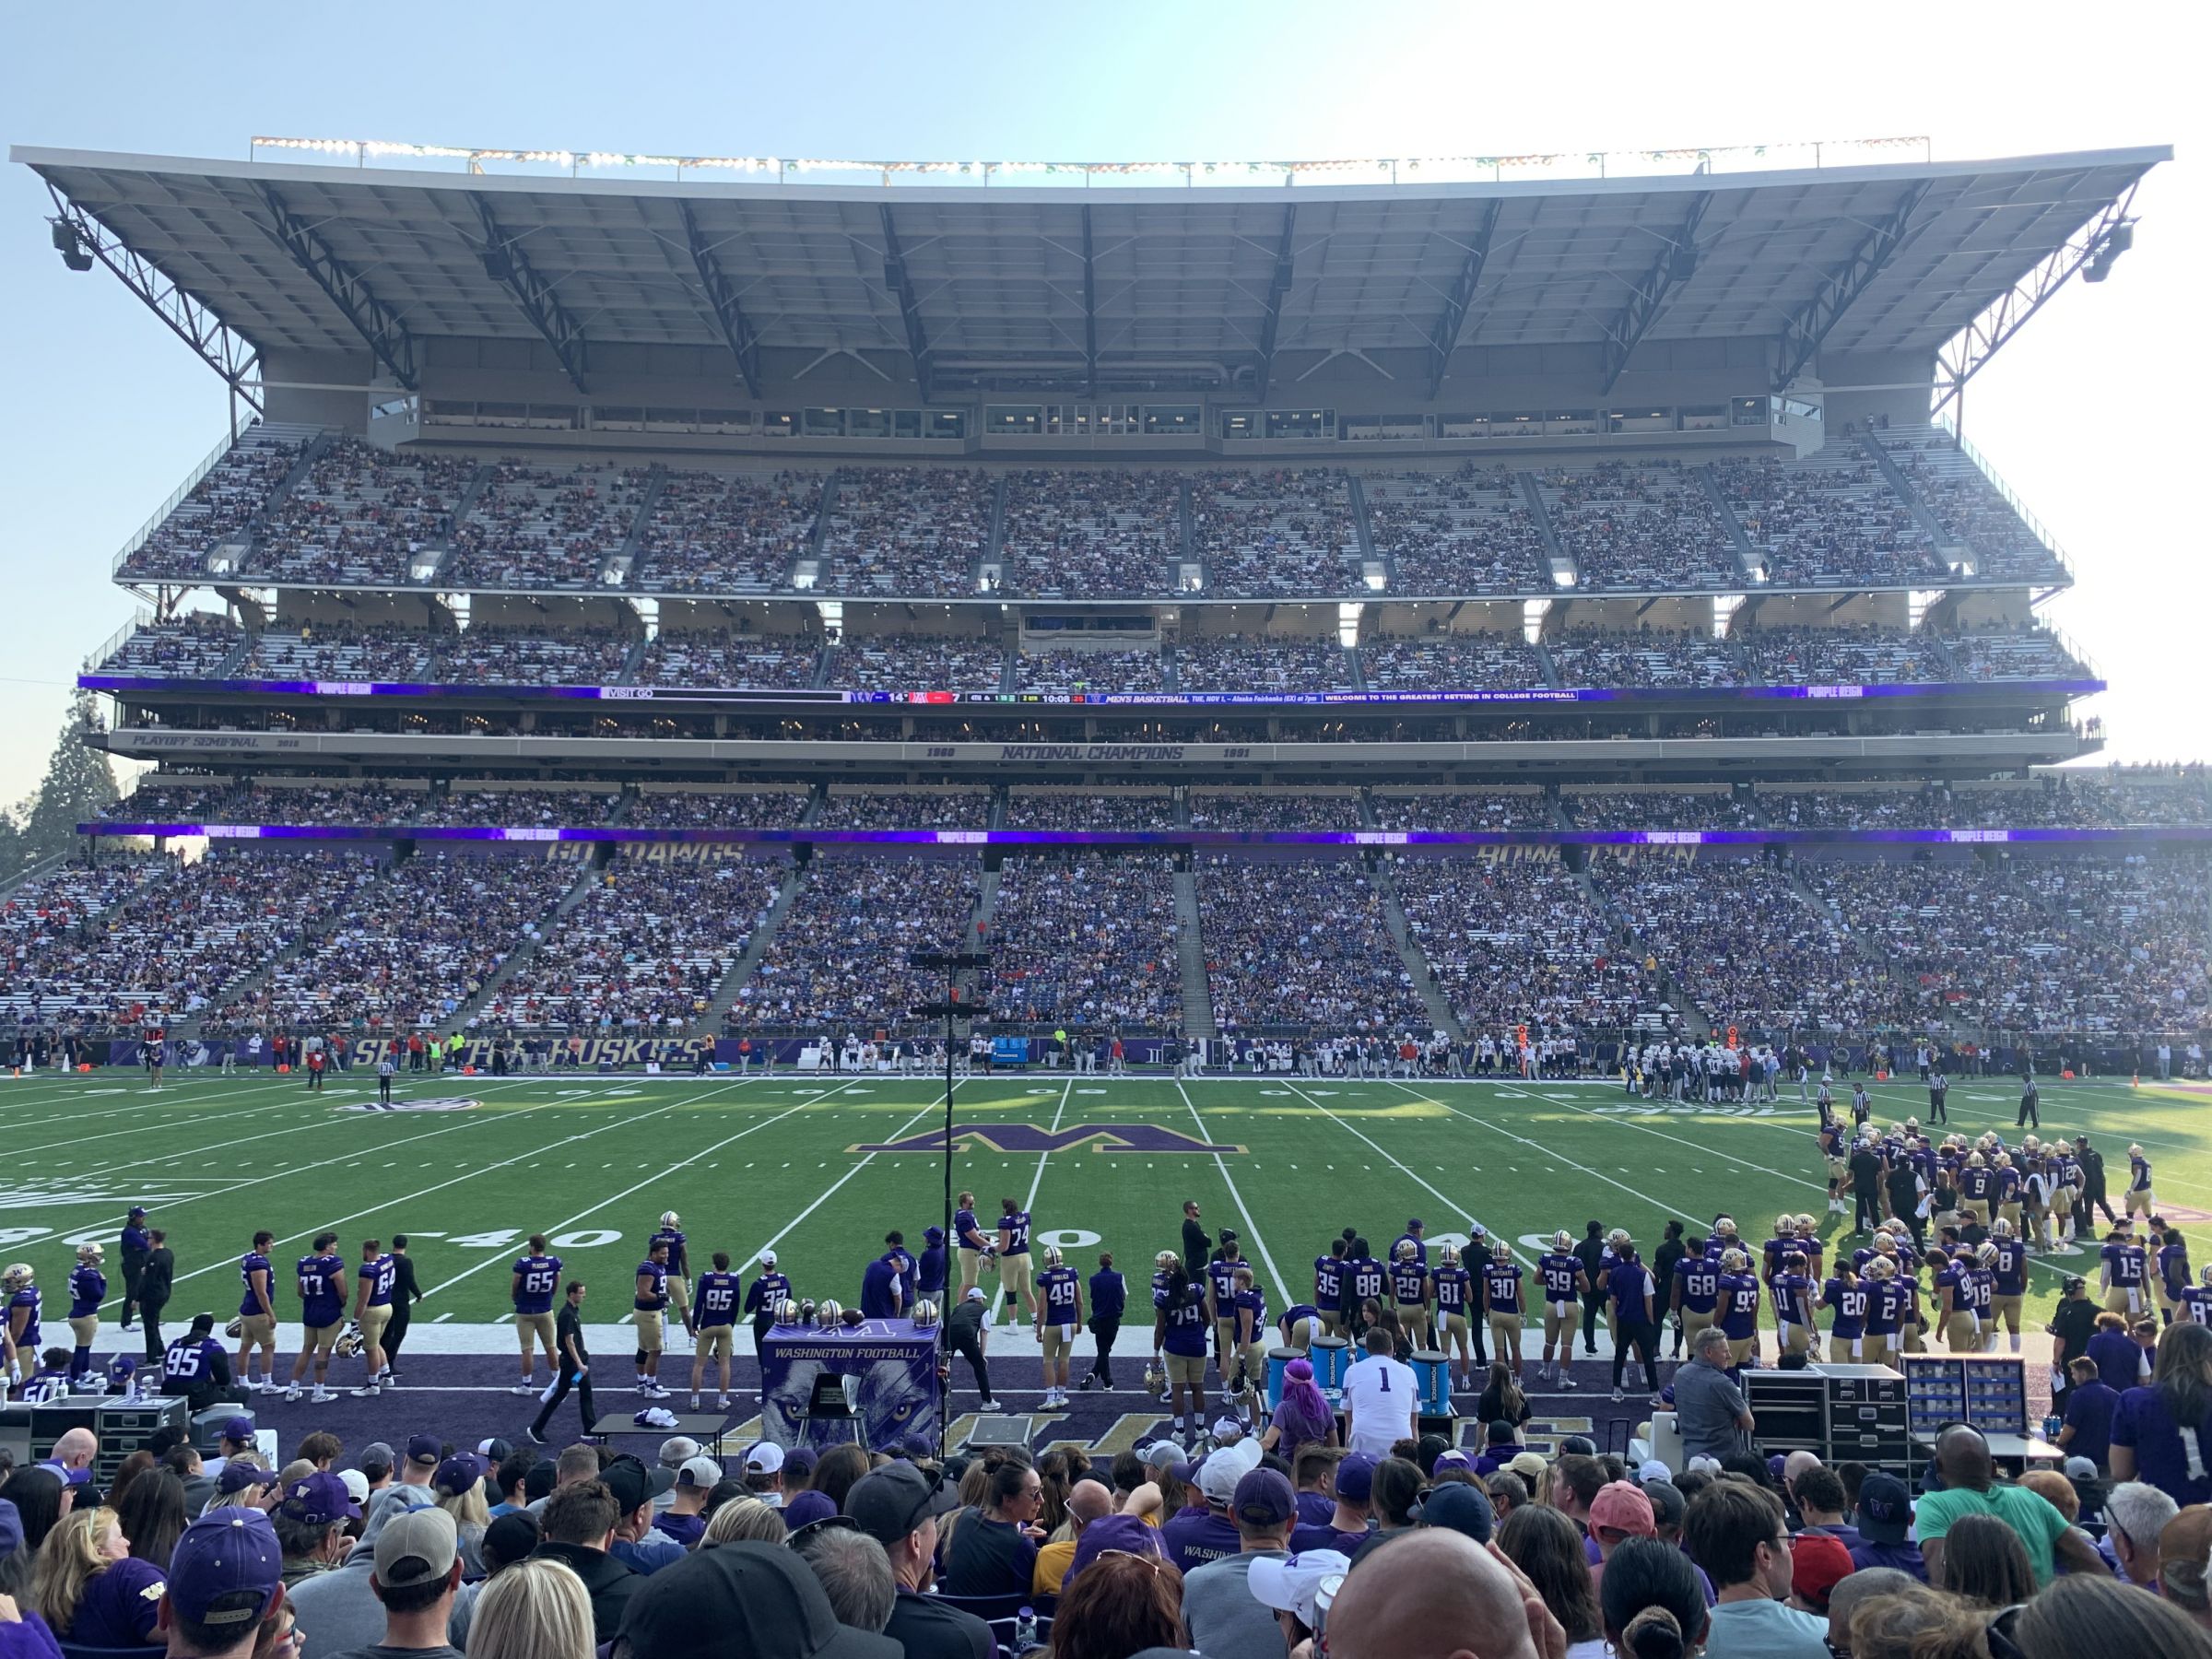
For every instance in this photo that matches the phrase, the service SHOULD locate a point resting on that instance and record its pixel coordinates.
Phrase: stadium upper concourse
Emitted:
(1493, 601)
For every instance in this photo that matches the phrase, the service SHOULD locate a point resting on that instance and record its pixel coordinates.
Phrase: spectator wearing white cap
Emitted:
(763, 1476)
(675, 1452)
(1299, 1589)
(685, 1519)
(1195, 1537)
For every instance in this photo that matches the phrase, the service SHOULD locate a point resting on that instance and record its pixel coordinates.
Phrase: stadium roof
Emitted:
(1009, 281)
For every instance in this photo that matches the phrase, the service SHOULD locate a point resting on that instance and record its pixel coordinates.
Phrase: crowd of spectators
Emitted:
(1647, 657)
(919, 663)
(1085, 941)
(1064, 672)
(1076, 809)
(2065, 800)
(1744, 945)
(727, 533)
(1971, 510)
(905, 809)
(544, 527)
(1462, 810)
(189, 647)
(2024, 653)
(906, 532)
(777, 662)
(521, 809)
(50, 937)
(1251, 663)
(1072, 533)
(340, 650)
(1265, 532)
(413, 950)
(495, 654)
(1686, 808)
(1402, 1546)
(838, 960)
(1519, 941)
(210, 802)
(1842, 656)
(1252, 809)
(1463, 532)
(1832, 519)
(219, 509)
(360, 515)
(2135, 956)
(717, 810)
(365, 803)
(646, 949)
(1450, 663)
(1638, 527)
(1301, 943)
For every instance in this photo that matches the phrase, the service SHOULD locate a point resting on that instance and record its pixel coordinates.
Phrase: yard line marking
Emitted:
(1570, 1162)
(493, 1258)
(1440, 1196)
(1036, 1180)
(409, 1197)
(1282, 1285)
(899, 1134)
(20, 1124)
(114, 1170)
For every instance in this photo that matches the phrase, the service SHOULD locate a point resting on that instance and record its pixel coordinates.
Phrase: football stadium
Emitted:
(1414, 761)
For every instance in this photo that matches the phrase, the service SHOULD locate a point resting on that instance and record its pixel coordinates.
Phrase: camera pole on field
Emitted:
(953, 963)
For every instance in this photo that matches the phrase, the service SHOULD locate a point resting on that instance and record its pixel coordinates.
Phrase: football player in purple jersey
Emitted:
(1559, 1271)
(257, 1315)
(536, 1280)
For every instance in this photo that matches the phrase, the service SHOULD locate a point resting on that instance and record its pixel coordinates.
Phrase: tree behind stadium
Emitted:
(78, 784)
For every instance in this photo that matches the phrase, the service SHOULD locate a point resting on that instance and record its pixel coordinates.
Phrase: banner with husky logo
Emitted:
(890, 1374)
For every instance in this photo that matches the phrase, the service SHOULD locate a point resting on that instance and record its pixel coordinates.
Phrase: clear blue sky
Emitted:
(2088, 412)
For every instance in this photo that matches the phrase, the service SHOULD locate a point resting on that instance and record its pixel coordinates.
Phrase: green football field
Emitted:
(470, 1166)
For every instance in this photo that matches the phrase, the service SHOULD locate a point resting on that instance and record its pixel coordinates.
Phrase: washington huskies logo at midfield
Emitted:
(1028, 1137)
(427, 1104)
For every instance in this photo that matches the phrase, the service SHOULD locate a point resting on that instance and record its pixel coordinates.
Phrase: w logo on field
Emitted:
(429, 1103)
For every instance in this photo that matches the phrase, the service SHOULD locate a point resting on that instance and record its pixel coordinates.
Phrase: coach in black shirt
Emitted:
(156, 1278)
(405, 1293)
(1867, 1188)
(1195, 1245)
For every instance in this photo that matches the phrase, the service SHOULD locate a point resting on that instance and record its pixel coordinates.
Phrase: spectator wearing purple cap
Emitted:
(459, 1483)
(1224, 1617)
(245, 1485)
(1885, 1517)
(1346, 1528)
(1127, 1533)
(225, 1576)
(310, 1524)
(806, 1508)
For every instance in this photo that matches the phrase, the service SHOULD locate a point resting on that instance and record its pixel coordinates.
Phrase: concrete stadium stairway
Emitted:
(1189, 954)
(1443, 1017)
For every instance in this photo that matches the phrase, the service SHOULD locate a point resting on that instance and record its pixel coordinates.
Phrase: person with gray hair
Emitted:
(855, 1574)
(2134, 1514)
(1853, 1591)
(1709, 1407)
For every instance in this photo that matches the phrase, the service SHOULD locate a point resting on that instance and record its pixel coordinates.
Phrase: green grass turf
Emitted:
(760, 1163)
